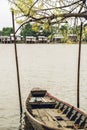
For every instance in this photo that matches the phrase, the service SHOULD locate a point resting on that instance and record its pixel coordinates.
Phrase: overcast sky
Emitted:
(5, 14)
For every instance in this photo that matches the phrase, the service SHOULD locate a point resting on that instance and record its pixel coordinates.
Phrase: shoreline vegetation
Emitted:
(64, 34)
(39, 40)
(73, 43)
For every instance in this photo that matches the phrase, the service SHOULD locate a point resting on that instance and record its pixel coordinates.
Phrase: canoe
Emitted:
(46, 112)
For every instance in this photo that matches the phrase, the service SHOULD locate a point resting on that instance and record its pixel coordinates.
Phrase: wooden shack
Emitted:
(72, 37)
(57, 38)
(18, 38)
(42, 39)
(5, 39)
(30, 39)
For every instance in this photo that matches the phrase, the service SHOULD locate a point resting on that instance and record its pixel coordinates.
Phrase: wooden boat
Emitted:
(45, 112)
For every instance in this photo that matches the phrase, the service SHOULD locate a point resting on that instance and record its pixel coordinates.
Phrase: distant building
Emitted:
(72, 37)
(38, 39)
(19, 38)
(10, 39)
(42, 39)
(57, 38)
(30, 39)
(5, 39)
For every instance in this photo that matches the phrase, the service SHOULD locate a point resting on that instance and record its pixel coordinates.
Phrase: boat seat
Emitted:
(38, 93)
(38, 105)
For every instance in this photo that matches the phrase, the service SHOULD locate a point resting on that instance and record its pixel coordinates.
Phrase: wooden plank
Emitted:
(48, 117)
(47, 99)
(44, 117)
(63, 123)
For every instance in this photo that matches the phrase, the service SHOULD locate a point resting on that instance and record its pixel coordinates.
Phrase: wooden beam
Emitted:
(78, 73)
(17, 66)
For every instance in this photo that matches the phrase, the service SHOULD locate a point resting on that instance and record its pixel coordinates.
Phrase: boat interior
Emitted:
(55, 113)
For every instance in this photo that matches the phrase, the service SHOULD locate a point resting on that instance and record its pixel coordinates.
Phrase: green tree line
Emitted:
(6, 31)
(32, 30)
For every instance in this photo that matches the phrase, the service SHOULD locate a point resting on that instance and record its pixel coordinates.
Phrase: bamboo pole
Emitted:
(17, 66)
(78, 73)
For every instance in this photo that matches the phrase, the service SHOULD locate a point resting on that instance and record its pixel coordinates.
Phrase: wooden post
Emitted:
(17, 67)
(78, 74)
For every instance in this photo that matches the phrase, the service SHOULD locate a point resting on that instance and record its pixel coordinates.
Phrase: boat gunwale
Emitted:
(61, 101)
(56, 99)
(33, 118)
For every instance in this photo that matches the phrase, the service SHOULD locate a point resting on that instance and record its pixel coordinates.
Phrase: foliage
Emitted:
(27, 31)
(33, 30)
(48, 12)
(0, 33)
(85, 33)
(64, 29)
(6, 31)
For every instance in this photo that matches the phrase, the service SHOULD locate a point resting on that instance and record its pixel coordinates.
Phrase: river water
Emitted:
(49, 66)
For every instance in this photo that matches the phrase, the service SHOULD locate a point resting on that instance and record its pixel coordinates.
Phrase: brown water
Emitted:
(52, 67)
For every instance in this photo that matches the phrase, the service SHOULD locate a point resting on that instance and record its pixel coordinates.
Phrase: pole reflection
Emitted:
(24, 123)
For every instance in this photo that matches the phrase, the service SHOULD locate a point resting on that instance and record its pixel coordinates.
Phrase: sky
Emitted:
(5, 14)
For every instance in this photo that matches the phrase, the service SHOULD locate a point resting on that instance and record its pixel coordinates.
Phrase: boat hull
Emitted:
(36, 125)
(64, 111)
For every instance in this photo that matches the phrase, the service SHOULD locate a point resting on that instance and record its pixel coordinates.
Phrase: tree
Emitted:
(6, 31)
(34, 30)
(48, 11)
(0, 32)
(27, 31)
(64, 31)
(85, 33)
